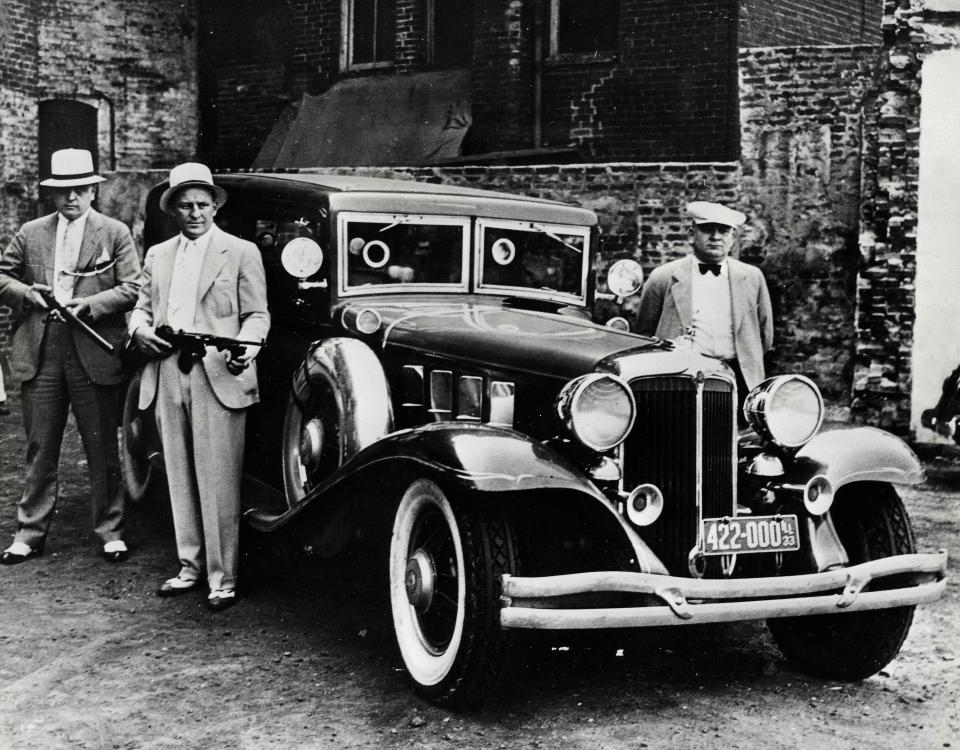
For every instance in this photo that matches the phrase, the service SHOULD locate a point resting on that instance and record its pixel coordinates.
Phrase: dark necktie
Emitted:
(713, 268)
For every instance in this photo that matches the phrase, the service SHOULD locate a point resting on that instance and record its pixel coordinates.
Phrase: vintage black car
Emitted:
(433, 362)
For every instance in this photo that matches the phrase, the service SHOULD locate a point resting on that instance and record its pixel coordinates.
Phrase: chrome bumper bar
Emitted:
(537, 602)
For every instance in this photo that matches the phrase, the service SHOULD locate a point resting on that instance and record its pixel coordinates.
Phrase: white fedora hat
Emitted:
(191, 174)
(71, 167)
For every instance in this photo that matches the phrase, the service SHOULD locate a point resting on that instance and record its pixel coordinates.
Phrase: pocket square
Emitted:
(104, 256)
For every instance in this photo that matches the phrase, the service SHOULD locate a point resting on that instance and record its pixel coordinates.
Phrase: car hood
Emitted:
(490, 333)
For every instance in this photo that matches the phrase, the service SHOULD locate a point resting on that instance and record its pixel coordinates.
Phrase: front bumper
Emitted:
(538, 603)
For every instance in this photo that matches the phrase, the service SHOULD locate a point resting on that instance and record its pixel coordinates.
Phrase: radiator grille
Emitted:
(662, 450)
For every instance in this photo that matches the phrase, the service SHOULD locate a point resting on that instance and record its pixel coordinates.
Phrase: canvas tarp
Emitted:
(382, 121)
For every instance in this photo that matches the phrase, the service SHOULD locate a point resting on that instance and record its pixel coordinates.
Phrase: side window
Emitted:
(584, 28)
(367, 28)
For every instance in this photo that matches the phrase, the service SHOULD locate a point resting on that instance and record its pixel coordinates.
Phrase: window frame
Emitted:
(346, 41)
(345, 217)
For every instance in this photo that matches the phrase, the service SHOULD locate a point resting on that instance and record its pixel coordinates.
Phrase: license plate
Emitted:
(745, 534)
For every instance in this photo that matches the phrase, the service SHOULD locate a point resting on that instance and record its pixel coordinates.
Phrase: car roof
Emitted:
(354, 189)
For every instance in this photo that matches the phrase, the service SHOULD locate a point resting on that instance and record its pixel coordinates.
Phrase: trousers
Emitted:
(203, 454)
(59, 386)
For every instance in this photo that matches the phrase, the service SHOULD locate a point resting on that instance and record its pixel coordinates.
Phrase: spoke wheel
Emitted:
(446, 568)
(872, 523)
(135, 439)
(311, 444)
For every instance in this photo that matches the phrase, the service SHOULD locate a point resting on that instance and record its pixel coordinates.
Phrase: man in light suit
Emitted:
(89, 263)
(205, 281)
(715, 303)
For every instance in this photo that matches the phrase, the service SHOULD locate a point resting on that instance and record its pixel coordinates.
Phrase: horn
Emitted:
(644, 504)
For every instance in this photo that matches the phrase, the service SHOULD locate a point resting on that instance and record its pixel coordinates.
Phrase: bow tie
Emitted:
(713, 268)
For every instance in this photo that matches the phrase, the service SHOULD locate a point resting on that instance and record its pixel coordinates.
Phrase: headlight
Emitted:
(598, 410)
(787, 410)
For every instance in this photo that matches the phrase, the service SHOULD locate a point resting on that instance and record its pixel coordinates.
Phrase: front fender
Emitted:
(479, 457)
(858, 454)
(476, 457)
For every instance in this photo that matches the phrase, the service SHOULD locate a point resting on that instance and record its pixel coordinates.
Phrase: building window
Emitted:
(584, 27)
(450, 32)
(368, 32)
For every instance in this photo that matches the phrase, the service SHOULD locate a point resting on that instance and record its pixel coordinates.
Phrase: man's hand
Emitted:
(146, 338)
(33, 298)
(79, 307)
(240, 357)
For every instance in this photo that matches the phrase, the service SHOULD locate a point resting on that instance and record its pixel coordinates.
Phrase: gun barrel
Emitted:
(73, 320)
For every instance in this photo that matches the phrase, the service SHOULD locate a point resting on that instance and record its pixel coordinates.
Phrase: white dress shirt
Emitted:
(712, 312)
(69, 240)
(185, 280)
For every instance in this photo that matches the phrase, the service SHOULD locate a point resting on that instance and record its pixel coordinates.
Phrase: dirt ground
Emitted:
(90, 657)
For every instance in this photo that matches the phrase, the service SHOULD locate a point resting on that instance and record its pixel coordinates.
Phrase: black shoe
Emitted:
(12, 558)
(117, 553)
(4, 409)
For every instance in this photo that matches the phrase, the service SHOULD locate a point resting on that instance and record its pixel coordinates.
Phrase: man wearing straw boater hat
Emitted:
(203, 281)
(88, 264)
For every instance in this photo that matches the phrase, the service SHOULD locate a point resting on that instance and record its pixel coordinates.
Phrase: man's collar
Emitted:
(81, 217)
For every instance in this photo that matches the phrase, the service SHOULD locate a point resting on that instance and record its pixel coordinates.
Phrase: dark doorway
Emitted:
(65, 123)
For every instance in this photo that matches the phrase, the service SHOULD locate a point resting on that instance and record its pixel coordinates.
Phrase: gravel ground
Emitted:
(90, 657)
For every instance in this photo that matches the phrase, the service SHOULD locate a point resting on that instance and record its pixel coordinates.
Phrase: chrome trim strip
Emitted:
(696, 562)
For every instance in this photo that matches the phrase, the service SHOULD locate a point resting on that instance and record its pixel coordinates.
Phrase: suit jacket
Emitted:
(29, 259)
(666, 309)
(231, 302)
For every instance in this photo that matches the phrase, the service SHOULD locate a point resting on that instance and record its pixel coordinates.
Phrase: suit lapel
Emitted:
(739, 300)
(162, 268)
(49, 245)
(90, 244)
(682, 291)
(213, 261)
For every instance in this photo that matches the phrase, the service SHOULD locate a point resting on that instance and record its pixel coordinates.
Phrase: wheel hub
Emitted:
(420, 580)
(311, 443)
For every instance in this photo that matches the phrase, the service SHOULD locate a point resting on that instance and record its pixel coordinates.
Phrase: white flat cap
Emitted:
(705, 212)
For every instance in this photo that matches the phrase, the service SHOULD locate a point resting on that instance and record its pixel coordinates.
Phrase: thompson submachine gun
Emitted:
(192, 346)
(70, 317)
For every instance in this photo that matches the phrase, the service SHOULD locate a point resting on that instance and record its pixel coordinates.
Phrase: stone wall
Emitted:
(801, 135)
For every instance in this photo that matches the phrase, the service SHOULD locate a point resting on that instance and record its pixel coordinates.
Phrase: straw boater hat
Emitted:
(191, 174)
(705, 212)
(71, 167)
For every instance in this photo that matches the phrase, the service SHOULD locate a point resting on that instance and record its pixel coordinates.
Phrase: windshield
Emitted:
(381, 252)
(534, 259)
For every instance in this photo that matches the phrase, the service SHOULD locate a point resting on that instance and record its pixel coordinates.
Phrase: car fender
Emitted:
(476, 457)
(858, 454)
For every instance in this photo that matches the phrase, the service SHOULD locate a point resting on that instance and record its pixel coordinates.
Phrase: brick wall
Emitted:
(774, 23)
(134, 62)
(669, 93)
(801, 125)
(885, 289)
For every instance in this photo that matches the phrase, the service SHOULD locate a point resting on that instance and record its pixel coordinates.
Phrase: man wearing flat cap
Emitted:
(204, 280)
(716, 302)
(89, 264)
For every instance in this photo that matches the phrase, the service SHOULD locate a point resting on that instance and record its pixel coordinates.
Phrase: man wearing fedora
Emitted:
(89, 263)
(715, 304)
(204, 280)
